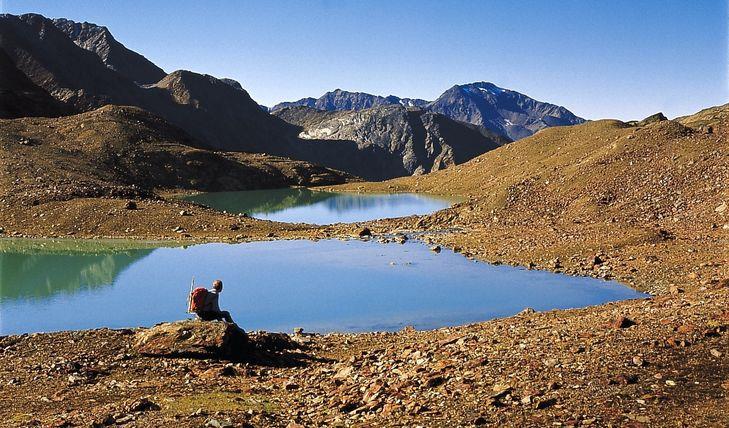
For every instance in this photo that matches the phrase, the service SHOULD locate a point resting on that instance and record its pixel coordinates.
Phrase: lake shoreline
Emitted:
(670, 328)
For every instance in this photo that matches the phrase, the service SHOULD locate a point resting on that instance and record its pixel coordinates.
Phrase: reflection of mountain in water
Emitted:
(346, 202)
(261, 201)
(37, 276)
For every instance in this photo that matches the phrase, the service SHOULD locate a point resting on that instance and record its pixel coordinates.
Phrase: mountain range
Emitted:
(344, 100)
(503, 111)
(413, 140)
(58, 67)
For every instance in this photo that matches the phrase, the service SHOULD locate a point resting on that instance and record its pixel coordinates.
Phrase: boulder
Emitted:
(206, 339)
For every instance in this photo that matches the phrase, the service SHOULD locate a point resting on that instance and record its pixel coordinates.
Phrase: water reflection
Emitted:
(307, 206)
(33, 276)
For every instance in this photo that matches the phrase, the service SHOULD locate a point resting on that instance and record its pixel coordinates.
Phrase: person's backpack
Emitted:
(197, 299)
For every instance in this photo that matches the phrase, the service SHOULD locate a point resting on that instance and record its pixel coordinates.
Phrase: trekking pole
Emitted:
(189, 296)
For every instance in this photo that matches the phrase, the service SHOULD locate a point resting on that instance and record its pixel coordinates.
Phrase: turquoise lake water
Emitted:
(321, 286)
(300, 205)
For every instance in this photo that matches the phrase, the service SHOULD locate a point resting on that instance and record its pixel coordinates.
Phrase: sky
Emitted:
(600, 59)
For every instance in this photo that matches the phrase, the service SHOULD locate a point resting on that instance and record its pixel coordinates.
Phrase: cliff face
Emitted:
(422, 141)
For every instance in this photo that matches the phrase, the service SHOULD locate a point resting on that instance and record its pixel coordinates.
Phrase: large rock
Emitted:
(208, 339)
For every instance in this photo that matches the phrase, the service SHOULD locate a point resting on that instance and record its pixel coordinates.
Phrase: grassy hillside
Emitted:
(598, 171)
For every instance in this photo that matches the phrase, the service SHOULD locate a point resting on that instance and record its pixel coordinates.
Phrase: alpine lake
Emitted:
(320, 286)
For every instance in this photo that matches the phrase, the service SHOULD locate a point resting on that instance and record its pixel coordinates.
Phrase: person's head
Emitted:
(218, 285)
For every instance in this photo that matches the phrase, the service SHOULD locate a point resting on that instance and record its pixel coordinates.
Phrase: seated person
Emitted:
(211, 310)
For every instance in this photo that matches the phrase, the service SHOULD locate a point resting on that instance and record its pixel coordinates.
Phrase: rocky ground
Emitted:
(657, 362)
(644, 205)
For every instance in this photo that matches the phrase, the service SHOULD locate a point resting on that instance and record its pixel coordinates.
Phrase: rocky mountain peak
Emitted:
(341, 100)
(505, 111)
(232, 82)
(99, 40)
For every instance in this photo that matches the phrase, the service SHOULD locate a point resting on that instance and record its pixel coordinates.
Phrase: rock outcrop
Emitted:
(192, 338)
(414, 141)
(658, 117)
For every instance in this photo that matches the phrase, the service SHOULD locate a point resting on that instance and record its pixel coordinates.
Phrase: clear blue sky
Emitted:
(619, 59)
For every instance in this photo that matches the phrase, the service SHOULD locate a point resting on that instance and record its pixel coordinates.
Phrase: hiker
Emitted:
(207, 307)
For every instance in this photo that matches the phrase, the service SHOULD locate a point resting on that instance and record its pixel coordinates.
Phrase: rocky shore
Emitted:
(655, 362)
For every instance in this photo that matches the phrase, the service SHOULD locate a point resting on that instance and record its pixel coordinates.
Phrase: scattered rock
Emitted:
(622, 322)
(144, 404)
(481, 420)
(215, 423)
(290, 386)
(623, 379)
(543, 404)
(665, 235)
(435, 381)
(193, 338)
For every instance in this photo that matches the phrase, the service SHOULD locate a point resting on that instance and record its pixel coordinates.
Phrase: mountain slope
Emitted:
(116, 56)
(663, 175)
(20, 97)
(344, 100)
(126, 151)
(220, 114)
(420, 141)
(52, 61)
(501, 110)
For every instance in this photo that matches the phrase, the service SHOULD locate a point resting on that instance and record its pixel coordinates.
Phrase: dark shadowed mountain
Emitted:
(421, 141)
(343, 100)
(216, 113)
(89, 72)
(506, 112)
(116, 56)
(501, 110)
(122, 151)
(20, 97)
(49, 58)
